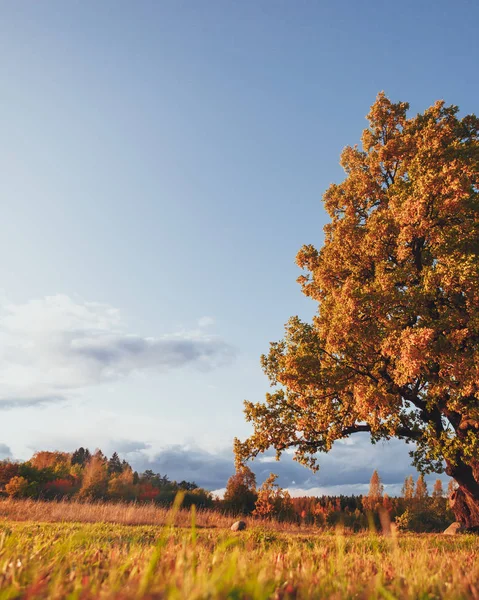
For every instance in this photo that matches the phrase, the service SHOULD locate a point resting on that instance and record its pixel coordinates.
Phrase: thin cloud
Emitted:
(54, 345)
(125, 447)
(206, 322)
(27, 402)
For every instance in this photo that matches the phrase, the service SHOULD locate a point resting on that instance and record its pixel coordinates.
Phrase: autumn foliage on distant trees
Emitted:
(240, 494)
(93, 477)
(273, 501)
(414, 510)
(375, 497)
(394, 347)
(86, 476)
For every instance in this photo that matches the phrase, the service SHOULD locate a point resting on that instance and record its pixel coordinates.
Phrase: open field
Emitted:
(106, 560)
(123, 513)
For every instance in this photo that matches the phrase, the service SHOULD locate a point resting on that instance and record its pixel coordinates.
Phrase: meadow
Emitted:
(46, 553)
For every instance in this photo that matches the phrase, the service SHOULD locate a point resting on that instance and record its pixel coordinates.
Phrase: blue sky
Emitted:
(162, 163)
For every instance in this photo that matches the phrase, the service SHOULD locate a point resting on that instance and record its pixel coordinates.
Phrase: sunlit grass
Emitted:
(106, 560)
(122, 513)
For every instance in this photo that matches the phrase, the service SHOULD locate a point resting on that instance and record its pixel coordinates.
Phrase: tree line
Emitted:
(92, 476)
(415, 509)
(87, 476)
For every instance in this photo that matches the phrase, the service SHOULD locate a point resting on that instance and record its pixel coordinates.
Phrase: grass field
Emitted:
(114, 560)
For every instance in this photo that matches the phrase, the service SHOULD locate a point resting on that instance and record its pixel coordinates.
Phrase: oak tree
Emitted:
(394, 347)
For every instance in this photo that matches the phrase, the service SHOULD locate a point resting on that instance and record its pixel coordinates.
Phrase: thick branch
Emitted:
(463, 474)
(401, 432)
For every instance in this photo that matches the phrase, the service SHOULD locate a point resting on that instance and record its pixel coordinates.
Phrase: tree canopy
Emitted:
(394, 347)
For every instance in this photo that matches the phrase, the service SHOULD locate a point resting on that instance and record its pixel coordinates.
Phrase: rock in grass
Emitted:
(238, 526)
(453, 529)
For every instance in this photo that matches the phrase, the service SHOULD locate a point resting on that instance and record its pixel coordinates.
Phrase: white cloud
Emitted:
(51, 346)
(206, 322)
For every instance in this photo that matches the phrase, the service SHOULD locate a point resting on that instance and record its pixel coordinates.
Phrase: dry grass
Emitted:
(106, 561)
(124, 560)
(123, 514)
(104, 512)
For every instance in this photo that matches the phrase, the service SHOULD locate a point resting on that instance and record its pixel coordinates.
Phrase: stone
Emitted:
(454, 528)
(238, 526)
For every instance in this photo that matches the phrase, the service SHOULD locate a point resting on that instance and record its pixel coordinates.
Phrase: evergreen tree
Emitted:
(187, 486)
(114, 464)
(81, 456)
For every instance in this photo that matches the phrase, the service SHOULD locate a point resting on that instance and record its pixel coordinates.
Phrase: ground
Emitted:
(104, 560)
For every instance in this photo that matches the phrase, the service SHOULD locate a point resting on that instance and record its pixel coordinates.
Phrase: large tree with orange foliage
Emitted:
(394, 348)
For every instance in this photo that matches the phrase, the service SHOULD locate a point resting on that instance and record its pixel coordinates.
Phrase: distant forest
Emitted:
(92, 476)
(82, 475)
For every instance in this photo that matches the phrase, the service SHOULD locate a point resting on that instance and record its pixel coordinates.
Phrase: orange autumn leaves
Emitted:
(394, 347)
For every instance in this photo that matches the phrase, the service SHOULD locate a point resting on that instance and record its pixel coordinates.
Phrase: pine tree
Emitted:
(81, 456)
(114, 464)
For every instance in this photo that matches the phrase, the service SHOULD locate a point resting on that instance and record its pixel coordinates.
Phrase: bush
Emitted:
(17, 487)
(421, 521)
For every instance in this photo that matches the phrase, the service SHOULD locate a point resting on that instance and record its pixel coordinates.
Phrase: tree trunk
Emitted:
(466, 508)
(464, 501)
